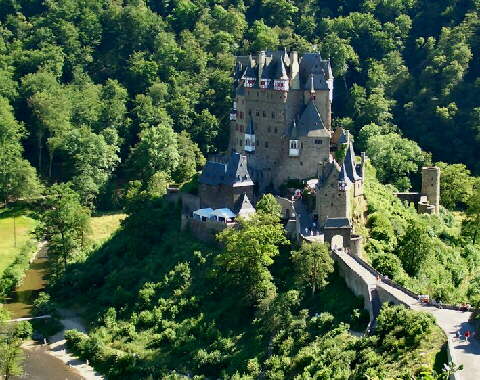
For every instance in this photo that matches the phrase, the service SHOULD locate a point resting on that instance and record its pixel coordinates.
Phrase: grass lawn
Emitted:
(24, 225)
(104, 225)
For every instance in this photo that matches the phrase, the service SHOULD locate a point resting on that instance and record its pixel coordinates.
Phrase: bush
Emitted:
(13, 274)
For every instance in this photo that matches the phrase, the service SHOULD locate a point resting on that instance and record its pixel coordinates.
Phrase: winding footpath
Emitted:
(450, 321)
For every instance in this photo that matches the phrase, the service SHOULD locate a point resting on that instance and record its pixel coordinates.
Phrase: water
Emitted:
(20, 303)
(39, 365)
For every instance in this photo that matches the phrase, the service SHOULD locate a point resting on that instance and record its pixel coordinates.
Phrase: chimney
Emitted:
(261, 64)
(294, 71)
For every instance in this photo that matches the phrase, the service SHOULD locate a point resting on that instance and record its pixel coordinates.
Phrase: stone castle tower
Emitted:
(281, 118)
(431, 186)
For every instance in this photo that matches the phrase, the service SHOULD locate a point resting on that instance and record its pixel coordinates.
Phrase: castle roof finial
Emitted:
(311, 85)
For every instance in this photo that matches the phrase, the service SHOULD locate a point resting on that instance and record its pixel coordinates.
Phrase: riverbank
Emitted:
(56, 347)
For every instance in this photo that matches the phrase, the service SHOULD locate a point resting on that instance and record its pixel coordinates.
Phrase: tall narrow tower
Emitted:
(431, 185)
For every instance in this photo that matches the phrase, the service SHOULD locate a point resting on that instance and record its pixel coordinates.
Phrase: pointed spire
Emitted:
(311, 85)
(294, 131)
(281, 71)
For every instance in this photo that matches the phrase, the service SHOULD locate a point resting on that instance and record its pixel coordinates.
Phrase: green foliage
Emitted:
(427, 254)
(11, 337)
(249, 251)
(63, 224)
(268, 207)
(163, 304)
(313, 265)
(456, 185)
(471, 225)
(397, 327)
(415, 247)
(395, 158)
(17, 177)
(13, 274)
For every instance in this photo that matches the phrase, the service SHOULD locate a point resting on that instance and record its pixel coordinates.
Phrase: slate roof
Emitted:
(280, 71)
(277, 66)
(294, 131)
(233, 173)
(350, 165)
(313, 64)
(337, 223)
(251, 71)
(343, 176)
(243, 207)
(267, 69)
(343, 139)
(311, 123)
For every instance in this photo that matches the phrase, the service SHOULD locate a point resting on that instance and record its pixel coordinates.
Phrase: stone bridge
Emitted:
(375, 289)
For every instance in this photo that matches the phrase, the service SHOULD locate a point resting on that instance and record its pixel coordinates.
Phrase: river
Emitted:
(39, 364)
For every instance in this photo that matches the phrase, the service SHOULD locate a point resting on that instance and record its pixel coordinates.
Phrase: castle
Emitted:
(281, 137)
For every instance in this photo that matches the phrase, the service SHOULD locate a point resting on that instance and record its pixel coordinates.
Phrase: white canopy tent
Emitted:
(203, 213)
(223, 214)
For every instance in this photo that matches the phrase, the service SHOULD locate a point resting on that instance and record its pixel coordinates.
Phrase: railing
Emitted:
(404, 289)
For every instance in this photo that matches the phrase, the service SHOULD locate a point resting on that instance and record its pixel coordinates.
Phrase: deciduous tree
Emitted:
(313, 264)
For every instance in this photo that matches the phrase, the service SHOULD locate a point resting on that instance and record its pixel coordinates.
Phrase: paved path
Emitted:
(451, 321)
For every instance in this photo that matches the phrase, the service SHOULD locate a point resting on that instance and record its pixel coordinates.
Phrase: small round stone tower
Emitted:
(431, 185)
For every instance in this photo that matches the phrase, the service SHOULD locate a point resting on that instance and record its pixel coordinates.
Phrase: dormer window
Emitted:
(280, 84)
(293, 150)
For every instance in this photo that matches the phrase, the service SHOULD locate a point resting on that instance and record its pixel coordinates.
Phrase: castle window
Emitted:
(258, 94)
(273, 115)
(264, 114)
(314, 97)
(266, 144)
(301, 163)
(318, 142)
(257, 113)
(249, 112)
(301, 145)
(275, 130)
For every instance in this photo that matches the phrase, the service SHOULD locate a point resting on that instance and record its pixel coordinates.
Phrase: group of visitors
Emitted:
(467, 335)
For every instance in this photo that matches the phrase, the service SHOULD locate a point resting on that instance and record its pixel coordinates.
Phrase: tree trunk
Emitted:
(39, 150)
(50, 164)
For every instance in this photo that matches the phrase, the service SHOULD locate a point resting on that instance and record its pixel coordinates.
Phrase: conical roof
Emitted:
(311, 123)
(349, 164)
(243, 207)
(281, 72)
(343, 176)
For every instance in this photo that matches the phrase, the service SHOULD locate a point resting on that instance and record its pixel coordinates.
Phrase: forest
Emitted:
(104, 103)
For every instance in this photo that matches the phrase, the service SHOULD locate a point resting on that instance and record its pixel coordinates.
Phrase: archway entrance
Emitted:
(337, 242)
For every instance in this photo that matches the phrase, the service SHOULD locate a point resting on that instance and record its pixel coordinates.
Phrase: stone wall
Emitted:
(332, 203)
(222, 196)
(355, 282)
(272, 113)
(204, 231)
